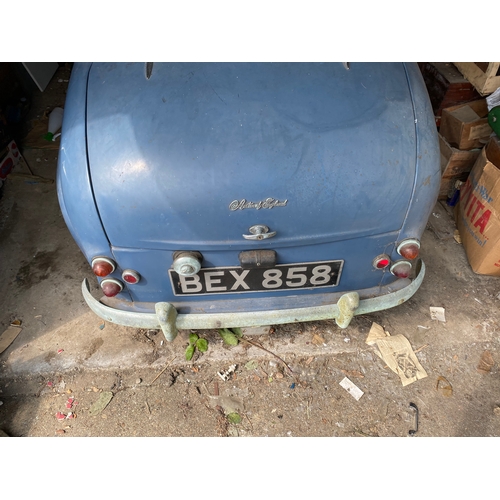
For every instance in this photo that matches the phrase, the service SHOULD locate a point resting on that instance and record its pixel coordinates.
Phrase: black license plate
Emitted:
(217, 280)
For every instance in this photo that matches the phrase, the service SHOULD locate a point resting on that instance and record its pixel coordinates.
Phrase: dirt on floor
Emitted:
(68, 373)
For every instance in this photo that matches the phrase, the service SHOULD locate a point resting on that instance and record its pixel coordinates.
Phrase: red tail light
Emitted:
(102, 266)
(381, 262)
(401, 269)
(131, 276)
(409, 249)
(111, 287)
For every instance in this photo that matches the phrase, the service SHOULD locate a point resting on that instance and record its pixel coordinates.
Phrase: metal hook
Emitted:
(414, 431)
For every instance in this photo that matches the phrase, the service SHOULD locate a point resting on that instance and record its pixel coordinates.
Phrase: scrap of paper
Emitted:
(397, 352)
(351, 388)
(437, 313)
(376, 332)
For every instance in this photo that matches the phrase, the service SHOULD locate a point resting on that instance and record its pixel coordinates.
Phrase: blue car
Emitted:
(231, 194)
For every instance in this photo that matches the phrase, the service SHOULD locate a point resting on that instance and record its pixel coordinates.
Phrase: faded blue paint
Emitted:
(148, 167)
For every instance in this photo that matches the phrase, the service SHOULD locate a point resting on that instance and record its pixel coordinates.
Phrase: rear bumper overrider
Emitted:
(169, 321)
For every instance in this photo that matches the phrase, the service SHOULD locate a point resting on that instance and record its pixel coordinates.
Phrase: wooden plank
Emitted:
(485, 82)
(8, 336)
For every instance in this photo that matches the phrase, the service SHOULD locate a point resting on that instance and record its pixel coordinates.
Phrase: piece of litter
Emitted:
(60, 351)
(8, 336)
(424, 327)
(457, 237)
(445, 388)
(477, 300)
(50, 384)
(317, 340)
(224, 375)
(376, 332)
(353, 373)
(398, 354)
(101, 403)
(292, 386)
(437, 313)
(347, 340)
(101, 327)
(70, 402)
(60, 416)
(351, 388)
(486, 362)
(16, 322)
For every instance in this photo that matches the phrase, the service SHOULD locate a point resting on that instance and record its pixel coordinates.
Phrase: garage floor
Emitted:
(65, 361)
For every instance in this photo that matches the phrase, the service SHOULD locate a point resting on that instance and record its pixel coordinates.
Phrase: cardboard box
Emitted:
(484, 76)
(478, 212)
(446, 87)
(455, 165)
(466, 126)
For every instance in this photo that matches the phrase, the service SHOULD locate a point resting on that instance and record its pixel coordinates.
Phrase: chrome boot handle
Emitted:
(259, 232)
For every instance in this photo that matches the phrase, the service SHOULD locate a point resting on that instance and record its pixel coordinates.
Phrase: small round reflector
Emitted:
(401, 269)
(102, 266)
(409, 249)
(111, 287)
(131, 276)
(381, 262)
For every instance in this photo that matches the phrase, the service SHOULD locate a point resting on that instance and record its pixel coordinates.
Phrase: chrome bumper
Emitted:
(169, 321)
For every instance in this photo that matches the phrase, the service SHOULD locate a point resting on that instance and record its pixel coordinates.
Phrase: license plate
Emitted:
(215, 280)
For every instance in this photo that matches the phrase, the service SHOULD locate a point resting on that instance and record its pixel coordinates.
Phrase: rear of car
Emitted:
(222, 195)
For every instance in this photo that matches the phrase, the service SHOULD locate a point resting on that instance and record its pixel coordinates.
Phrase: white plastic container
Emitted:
(55, 123)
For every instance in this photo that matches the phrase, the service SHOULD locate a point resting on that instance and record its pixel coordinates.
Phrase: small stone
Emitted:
(138, 381)
(497, 410)
(95, 389)
(60, 431)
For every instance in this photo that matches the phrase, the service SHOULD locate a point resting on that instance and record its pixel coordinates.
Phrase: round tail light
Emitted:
(381, 262)
(111, 287)
(102, 266)
(409, 249)
(401, 269)
(130, 276)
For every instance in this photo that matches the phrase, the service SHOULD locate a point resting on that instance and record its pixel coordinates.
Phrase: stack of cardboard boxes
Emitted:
(470, 153)
(464, 131)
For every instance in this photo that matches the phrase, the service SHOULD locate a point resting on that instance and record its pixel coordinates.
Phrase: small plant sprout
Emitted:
(195, 342)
